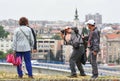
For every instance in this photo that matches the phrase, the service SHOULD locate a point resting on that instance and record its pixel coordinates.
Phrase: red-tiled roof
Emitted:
(55, 31)
(113, 36)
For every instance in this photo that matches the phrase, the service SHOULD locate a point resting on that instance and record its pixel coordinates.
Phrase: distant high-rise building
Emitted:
(97, 17)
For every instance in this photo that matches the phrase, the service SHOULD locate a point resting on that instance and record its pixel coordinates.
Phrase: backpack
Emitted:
(76, 45)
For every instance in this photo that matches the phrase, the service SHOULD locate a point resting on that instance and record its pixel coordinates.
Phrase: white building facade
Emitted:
(5, 45)
(44, 46)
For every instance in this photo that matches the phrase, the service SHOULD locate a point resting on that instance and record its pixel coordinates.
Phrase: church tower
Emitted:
(76, 19)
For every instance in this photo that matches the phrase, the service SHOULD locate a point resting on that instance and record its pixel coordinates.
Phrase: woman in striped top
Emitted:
(23, 41)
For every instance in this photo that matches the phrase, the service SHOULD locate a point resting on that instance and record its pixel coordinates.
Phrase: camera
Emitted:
(63, 31)
(75, 29)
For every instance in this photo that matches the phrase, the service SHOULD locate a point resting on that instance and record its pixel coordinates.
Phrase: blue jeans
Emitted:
(27, 58)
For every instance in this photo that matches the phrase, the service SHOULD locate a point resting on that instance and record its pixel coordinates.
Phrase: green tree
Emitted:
(9, 51)
(3, 33)
(118, 61)
(2, 55)
(57, 37)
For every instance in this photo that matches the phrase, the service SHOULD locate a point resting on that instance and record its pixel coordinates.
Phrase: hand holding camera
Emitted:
(62, 31)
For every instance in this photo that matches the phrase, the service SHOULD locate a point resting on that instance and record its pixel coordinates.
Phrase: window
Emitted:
(46, 46)
(110, 58)
(2, 45)
(63, 51)
(109, 44)
(41, 46)
(7, 45)
(45, 41)
(40, 41)
(51, 41)
(45, 50)
(40, 50)
(52, 46)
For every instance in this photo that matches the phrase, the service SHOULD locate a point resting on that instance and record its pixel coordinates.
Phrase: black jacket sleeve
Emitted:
(95, 42)
(35, 42)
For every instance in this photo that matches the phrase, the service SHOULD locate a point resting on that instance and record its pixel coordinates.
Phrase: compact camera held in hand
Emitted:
(63, 31)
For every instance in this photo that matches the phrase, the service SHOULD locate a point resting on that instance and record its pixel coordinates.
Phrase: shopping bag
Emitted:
(17, 61)
(10, 58)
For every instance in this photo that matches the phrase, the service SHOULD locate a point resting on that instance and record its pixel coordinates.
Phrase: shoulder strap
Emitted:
(80, 37)
(24, 34)
(65, 42)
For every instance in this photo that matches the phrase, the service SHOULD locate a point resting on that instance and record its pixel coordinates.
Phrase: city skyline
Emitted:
(53, 10)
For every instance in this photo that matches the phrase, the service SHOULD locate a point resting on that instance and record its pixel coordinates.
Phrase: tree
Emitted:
(3, 33)
(118, 61)
(2, 55)
(9, 51)
(57, 37)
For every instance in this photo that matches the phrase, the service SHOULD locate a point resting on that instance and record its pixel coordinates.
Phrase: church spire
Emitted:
(76, 19)
(76, 15)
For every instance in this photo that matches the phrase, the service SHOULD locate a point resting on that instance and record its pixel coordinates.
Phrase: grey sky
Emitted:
(59, 9)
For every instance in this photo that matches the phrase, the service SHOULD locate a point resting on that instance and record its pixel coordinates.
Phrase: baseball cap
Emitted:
(92, 22)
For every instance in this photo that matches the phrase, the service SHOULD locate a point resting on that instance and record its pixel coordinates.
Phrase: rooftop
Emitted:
(113, 36)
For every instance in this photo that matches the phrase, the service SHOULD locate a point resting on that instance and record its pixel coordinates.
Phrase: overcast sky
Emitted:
(59, 9)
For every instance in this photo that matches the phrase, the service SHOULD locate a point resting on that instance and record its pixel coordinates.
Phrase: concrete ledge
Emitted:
(49, 77)
(36, 69)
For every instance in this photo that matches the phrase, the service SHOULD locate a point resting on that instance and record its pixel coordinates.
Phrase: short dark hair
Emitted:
(23, 21)
(91, 24)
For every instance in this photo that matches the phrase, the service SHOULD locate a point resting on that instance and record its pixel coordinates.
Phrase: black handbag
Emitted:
(76, 45)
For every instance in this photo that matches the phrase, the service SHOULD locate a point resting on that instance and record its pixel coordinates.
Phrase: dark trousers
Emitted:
(93, 61)
(27, 59)
(75, 60)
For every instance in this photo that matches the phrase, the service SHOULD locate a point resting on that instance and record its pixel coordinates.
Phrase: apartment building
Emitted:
(47, 49)
(5, 45)
(113, 48)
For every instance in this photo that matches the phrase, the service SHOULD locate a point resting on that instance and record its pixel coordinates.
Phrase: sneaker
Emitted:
(94, 76)
(31, 77)
(72, 76)
(20, 76)
(83, 75)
